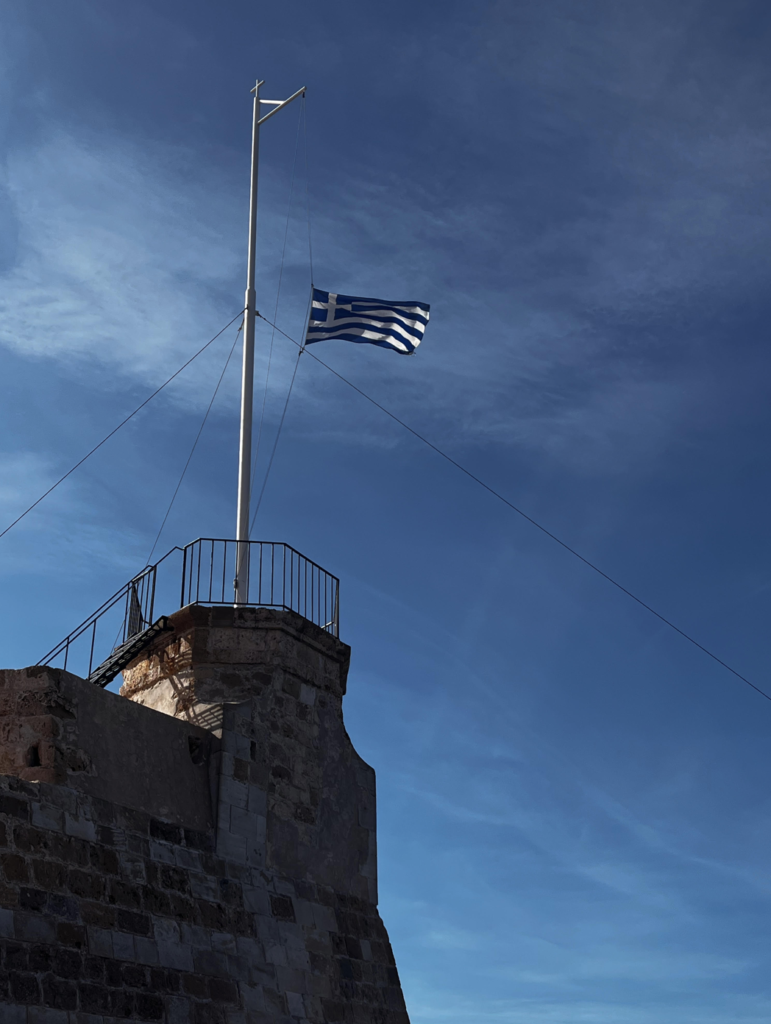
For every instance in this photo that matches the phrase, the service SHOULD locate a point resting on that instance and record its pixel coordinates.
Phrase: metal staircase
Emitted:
(123, 655)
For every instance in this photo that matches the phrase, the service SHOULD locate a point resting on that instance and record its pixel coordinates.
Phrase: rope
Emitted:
(275, 442)
(274, 329)
(195, 445)
(307, 188)
(116, 429)
(533, 522)
(275, 311)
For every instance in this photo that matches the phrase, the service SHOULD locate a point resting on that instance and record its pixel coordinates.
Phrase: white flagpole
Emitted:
(241, 582)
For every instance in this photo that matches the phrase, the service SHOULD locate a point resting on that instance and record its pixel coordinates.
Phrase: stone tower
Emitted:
(198, 849)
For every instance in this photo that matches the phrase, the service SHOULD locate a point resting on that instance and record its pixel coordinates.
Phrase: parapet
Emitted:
(57, 728)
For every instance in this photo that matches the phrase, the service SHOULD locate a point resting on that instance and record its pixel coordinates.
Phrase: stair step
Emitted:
(121, 656)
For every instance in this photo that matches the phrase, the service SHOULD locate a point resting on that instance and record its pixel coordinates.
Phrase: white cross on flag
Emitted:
(395, 325)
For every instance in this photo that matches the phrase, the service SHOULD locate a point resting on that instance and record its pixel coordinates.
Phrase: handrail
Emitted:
(278, 576)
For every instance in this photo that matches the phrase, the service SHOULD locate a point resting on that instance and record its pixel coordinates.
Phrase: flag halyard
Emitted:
(395, 325)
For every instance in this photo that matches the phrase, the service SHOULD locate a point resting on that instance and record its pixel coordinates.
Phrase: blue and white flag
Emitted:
(396, 325)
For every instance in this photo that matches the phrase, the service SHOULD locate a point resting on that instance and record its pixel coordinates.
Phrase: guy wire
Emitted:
(533, 522)
(275, 312)
(121, 424)
(195, 444)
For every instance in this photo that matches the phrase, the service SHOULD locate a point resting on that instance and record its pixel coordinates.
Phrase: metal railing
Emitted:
(277, 576)
(200, 573)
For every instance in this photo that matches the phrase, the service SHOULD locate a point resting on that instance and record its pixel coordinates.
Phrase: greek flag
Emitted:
(396, 325)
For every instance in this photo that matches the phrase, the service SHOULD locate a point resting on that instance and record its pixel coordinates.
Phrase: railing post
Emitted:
(91, 655)
(184, 571)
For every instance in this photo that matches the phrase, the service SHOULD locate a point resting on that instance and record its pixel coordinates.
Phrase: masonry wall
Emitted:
(265, 912)
(55, 727)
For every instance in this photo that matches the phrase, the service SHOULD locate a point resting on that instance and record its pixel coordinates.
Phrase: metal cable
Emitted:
(195, 445)
(533, 522)
(275, 312)
(121, 424)
(307, 188)
(275, 442)
(272, 335)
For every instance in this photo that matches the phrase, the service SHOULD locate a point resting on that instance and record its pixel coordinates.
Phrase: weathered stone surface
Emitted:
(293, 793)
(265, 914)
(226, 655)
(56, 727)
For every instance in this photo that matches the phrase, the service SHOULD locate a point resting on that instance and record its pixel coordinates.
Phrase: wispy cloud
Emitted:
(126, 262)
(117, 262)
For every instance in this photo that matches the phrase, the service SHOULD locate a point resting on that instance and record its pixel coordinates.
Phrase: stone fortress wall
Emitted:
(200, 849)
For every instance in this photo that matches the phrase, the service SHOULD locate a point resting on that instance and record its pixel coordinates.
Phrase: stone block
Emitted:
(123, 946)
(223, 942)
(284, 886)
(256, 899)
(13, 1014)
(275, 954)
(47, 816)
(165, 930)
(195, 935)
(248, 948)
(178, 1010)
(204, 887)
(146, 950)
(82, 828)
(162, 852)
(314, 1010)
(190, 860)
(209, 963)
(231, 847)
(45, 1015)
(256, 854)
(298, 958)
(320, 985)
(307, 694)
(295, 1004)
(238, 968)
(304, 913)
(176, 955)
(237, 744)
(243, 823)
(233, 792)
(33, 927)
(253, 997)
(290, 978)
(257, 800)
(324, 918)
(266, 929)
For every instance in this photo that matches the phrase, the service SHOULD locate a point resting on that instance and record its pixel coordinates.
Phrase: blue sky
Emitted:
(574, 808)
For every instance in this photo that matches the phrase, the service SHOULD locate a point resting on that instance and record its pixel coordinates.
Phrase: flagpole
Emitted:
(241, 582)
